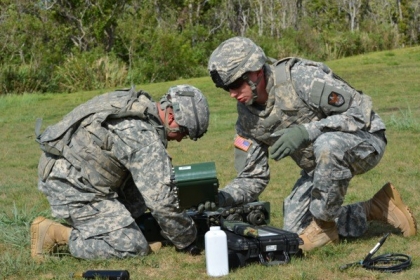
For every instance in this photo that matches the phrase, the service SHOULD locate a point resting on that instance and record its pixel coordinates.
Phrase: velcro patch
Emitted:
(242, 143)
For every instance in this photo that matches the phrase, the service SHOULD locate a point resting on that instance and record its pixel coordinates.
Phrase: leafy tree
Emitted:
(91, 23)
(136, 41)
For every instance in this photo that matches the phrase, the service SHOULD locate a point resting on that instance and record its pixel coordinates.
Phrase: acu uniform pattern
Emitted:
(102, 212)
(345, 141)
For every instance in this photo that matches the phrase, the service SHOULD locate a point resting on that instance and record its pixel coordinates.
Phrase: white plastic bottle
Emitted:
(217, 261)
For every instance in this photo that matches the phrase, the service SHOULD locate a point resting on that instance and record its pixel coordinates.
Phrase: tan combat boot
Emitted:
(45, 234)
(317, 234)
(155, 247)
(387, 206)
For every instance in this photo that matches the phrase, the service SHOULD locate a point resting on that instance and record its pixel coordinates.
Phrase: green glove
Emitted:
(291, 139)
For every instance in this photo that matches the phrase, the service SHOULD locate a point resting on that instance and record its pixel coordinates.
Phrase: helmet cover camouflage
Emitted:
(233, 58)
(190, 107)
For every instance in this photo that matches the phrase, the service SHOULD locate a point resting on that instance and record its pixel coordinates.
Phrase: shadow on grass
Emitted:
(375, 231)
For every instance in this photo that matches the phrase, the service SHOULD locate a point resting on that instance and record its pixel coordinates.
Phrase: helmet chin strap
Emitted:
(253, 88)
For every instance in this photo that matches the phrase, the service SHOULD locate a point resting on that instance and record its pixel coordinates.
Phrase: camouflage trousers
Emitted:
(103, 222)
(104, 229)
(320, 193)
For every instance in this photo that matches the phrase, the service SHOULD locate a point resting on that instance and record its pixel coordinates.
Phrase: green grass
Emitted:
(390, 78)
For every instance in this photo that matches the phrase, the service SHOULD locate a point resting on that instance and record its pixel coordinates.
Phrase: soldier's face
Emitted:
(176, 135)
(243, 93)
(175, 131)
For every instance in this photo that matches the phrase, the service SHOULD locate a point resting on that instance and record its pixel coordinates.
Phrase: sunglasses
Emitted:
(236, 84)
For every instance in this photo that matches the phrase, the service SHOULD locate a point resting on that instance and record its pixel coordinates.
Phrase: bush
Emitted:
(25, 78)
(90, 70)
(169, 56)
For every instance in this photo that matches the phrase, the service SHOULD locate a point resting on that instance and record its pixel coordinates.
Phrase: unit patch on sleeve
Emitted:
(335, 99)
(242, 143)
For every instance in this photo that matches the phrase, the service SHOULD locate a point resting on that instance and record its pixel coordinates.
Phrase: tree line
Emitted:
(72, 45)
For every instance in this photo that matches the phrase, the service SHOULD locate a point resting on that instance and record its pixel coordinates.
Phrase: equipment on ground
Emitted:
(390, 262)
(103, 274)
(265, 244)
(249, 237)
(195, 184)
(254, 213)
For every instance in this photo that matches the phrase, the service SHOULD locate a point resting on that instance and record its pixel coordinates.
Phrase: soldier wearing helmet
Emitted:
(300, 108)
(232, 62)
(190, 109)
(105, 163)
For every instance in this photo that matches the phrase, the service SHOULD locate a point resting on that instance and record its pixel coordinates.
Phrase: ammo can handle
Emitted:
(270, 263)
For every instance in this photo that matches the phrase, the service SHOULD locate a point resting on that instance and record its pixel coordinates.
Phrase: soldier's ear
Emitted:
(171, 116)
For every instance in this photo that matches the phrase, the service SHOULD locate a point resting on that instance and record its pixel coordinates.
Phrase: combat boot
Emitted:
(45, 235)
(387, 206)
(317, 234)
(155, 247)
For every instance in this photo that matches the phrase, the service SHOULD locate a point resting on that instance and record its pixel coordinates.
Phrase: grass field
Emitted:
(391, 78)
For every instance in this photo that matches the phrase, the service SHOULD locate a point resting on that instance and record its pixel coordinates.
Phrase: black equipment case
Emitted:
(272, 246)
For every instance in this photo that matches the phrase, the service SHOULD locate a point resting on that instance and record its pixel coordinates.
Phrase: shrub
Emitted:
(24, 78)
(90, 70)
(169, 56)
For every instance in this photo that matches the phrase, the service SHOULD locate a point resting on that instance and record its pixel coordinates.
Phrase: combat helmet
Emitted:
(190, 108)
(233, 58)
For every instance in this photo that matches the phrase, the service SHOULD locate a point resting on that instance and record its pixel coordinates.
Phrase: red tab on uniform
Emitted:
(242, 143)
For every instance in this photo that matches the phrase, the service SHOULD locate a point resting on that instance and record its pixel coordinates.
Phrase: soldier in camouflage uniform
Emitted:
(300, 108)
(106, 162)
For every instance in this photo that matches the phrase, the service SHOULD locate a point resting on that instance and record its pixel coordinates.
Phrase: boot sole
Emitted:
(395, 196)
(36, 247)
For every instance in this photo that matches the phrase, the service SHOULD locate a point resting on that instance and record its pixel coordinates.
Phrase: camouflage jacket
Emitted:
(300, 92)
(82, 138)
(115, 147)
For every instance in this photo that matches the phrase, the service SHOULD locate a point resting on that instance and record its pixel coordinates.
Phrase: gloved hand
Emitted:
(291, 139)
(207, 206)
(191, 249)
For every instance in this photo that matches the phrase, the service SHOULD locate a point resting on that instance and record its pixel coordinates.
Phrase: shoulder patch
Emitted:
(242, 143)
(335, 99)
